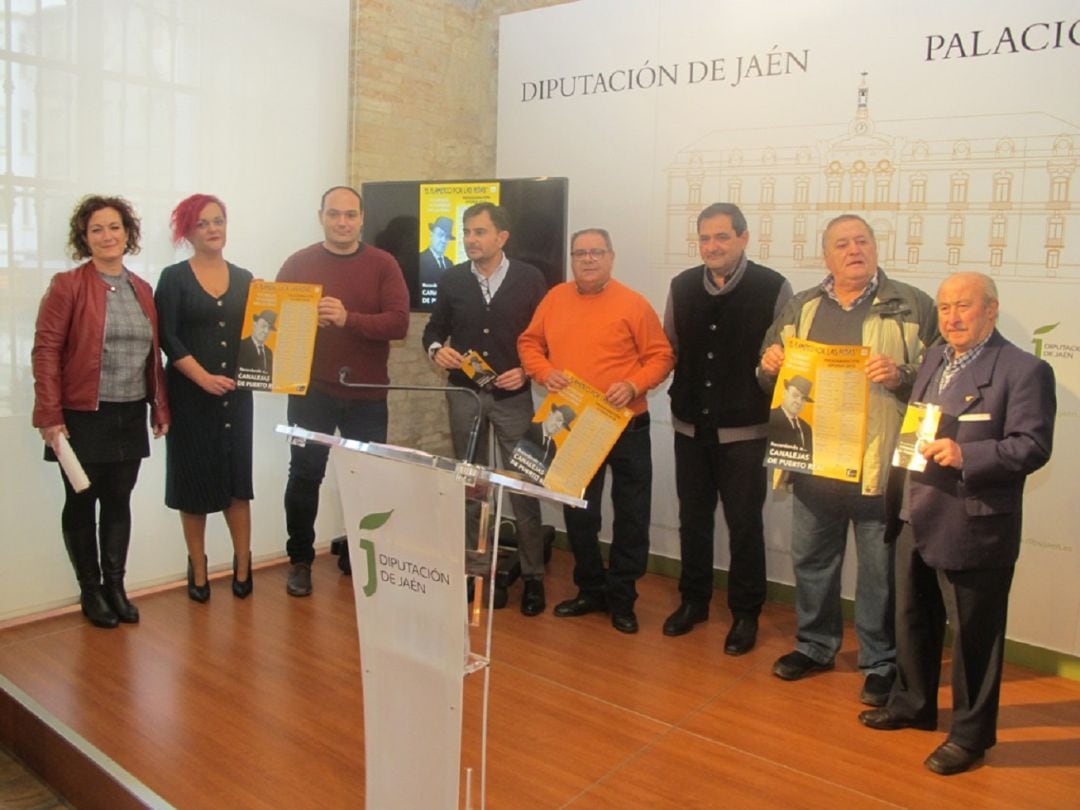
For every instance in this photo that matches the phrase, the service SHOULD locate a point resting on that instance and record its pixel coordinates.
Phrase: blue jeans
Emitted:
(361, 419)
(821, 514)
(631, 500)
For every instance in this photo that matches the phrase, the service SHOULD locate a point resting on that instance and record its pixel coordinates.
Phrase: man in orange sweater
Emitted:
(609, 336)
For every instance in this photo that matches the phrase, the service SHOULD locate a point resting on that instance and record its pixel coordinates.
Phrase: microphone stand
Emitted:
(474, 434)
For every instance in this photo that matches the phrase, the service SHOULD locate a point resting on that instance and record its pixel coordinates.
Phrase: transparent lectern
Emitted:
(405, 522)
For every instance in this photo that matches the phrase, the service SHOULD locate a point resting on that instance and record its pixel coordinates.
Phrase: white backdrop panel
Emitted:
(960, 148)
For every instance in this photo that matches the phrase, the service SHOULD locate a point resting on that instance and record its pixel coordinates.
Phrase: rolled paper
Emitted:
(69, 463)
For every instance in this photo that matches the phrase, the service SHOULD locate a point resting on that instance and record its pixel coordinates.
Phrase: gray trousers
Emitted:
(510, 418)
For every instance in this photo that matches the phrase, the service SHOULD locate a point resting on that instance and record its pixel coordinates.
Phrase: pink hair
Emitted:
(186, 214)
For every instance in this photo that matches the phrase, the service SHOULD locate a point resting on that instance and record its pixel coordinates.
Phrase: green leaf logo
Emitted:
(1042, 330)
(376, 520)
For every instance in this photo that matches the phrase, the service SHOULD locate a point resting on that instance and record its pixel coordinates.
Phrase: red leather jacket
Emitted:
(68, 342)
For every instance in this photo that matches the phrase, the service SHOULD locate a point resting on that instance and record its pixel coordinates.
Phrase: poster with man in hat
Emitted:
(786, 427)
(569, 437)
(282, 318)
(435, 259)
(254, 354)
(819, 410)
(441, 208)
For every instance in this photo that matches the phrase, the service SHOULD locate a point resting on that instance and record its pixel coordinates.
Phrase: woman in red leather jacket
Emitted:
(96, 366)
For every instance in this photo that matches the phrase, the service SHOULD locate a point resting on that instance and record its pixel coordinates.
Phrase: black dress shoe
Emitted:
(624, 622)
(580, 605)
(742, 636)
(242, 588)
(885, 720)
(532, 599)
(299, 581)
(876, 689)
(796, 665)
(949, 758)
(197, 593)
(682, 621)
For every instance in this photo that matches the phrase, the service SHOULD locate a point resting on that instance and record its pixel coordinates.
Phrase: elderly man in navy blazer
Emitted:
(959, 521)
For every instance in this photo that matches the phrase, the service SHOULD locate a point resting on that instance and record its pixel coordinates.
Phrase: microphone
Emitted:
(474, 433)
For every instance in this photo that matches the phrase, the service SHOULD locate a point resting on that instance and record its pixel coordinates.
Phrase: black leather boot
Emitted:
(197, 593)
(82, 549)
(114, 550)
(242, 590)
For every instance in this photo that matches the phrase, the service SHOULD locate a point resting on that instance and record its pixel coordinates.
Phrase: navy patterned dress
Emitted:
(208, 445)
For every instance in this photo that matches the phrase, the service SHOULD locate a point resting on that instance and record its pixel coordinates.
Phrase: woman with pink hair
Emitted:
(201, 303)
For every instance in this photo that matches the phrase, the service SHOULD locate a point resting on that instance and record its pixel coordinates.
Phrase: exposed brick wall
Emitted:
(423, 79)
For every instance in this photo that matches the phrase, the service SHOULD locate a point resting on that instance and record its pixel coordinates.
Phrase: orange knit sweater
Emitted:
(603, 338)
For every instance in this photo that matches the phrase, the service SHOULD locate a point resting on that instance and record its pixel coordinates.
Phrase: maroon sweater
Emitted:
(370, 285)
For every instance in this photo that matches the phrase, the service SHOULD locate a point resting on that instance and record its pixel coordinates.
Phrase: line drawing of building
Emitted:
(988, 192)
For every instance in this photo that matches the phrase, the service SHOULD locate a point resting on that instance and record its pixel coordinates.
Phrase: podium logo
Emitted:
(369, 523)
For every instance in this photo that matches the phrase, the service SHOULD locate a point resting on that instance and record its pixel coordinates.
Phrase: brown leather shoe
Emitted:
(885, 720)
(950, 758)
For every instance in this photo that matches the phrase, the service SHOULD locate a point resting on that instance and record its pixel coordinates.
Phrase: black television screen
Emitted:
(419, 222)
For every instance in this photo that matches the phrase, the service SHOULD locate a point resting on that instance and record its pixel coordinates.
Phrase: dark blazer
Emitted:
(462, 316)
(247, 357)
(1000, 410)
(430, 272)
(542, 448)
(781, 431)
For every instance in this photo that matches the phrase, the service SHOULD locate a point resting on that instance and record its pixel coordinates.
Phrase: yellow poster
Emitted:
(817, 424)
(569, 438)
(476, 368)
(278, 338)
(918, 429)
(440, 245)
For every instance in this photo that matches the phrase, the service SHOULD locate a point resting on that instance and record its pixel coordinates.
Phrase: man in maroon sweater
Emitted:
(365, 305)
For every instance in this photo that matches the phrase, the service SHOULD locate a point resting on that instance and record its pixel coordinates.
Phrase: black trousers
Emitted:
(631, 500)
(976, 605)
(361, 419)
(732, 473)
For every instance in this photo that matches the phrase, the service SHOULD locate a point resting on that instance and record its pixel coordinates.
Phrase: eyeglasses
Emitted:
(595, 253)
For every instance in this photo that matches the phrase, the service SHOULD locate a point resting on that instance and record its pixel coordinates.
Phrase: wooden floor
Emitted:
(256, 704)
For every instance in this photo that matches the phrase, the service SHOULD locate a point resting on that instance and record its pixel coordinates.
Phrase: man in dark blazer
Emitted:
(785, 424)
(254, 354)
(434, 261)
(483, 305)
(541, 435)
(958, 533)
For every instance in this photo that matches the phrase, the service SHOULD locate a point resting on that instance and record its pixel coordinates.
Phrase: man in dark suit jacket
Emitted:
(434, 261)
(483, 306)
(541, 435)
(958, 533)
(254, 354)
(785, 424)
